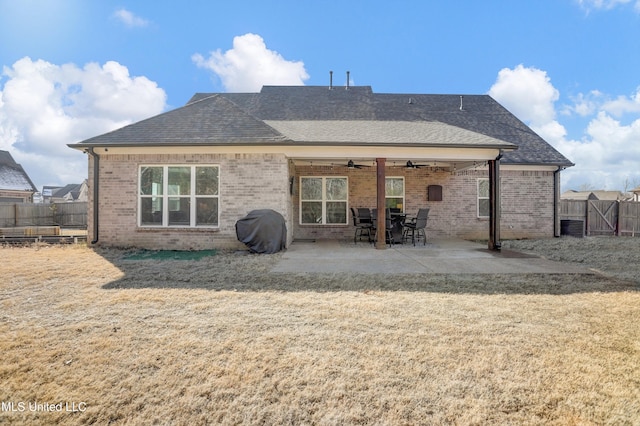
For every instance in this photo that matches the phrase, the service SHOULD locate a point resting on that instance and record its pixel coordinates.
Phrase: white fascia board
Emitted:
(306, 152)
(529, 167)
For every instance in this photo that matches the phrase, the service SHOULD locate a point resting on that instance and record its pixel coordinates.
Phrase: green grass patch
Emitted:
(169, 254)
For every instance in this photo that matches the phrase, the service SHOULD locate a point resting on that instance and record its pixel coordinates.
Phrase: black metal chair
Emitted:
(362, 227)
(417, 227)
(364, 214)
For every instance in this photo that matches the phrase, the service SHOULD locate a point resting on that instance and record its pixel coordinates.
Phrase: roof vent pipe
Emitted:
(461, 108)
(347, 88)
(330, 80)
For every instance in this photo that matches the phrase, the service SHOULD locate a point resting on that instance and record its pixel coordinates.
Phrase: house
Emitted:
(636, 194)
(15, 184)
(73, 192)
(593, 195)
(47, 192)
(181, 179)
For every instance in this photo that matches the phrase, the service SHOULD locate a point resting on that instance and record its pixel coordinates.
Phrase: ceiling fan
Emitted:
(352, 165)
(411, 165)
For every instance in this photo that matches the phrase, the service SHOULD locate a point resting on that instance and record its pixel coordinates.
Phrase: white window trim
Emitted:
(404, 201)
(323, 200)
(478, 198)
(165, 197)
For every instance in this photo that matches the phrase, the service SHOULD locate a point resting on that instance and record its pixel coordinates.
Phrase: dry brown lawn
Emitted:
(223, 341)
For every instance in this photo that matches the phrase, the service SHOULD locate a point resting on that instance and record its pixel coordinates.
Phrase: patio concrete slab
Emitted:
(437, 257)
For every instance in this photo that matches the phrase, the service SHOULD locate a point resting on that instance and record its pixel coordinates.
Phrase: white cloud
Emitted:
(589, 5)
(607, 155)
(249, 65)
(129, 19)
(529, 94)
(584, 104)
(44, 106)
(623, 105)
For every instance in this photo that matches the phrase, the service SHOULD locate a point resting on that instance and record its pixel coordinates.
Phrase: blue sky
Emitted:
(570, 69)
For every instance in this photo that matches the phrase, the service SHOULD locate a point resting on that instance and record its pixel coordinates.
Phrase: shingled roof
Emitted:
(12, 175)
(283, 115)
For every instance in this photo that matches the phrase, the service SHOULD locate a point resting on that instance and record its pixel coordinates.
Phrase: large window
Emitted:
(394, 193)
(323, 200)
(483, 197)
(185, 196)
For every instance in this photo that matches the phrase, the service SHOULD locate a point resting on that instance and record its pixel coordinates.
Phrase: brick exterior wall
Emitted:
(526, 204)
(247, 182)
(258, 181)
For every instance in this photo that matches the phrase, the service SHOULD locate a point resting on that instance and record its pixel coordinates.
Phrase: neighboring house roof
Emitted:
(12, 175)
(593, 195)
(299, 115)
(48, 190)
(70, 192)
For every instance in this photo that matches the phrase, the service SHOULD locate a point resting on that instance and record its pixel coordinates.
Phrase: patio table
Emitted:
(397, 220)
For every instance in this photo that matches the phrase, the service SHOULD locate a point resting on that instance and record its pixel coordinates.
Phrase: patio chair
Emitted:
(362, 227)
(364, 214)
(416, 226)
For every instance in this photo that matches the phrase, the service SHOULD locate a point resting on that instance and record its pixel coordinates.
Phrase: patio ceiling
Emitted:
(398, 156)
(394, 163)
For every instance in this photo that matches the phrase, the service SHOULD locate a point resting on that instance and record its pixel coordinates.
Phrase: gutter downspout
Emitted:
(494, 204)
(556, 202)
(96, 178)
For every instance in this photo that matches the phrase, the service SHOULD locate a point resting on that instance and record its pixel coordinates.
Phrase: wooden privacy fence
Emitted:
(601, 217)
(69, 215)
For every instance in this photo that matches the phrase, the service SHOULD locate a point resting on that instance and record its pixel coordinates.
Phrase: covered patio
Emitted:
(417, 175)
(442, 256)
(385, 146)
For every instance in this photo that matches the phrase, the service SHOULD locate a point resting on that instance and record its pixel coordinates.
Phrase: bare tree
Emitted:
(630, 184)
(586, 187)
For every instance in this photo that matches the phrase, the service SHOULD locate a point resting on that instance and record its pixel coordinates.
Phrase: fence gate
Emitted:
(629, 219)
(602, 217)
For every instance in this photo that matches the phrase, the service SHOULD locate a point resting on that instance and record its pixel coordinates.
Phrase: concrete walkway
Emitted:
(437, 257)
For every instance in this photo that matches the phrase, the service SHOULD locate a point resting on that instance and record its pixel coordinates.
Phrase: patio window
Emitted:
(180, 195)
(483, 197)
(323, 200)
(394, 193)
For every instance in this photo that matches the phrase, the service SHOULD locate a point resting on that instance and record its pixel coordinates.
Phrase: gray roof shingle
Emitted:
(210, 120)
(72, 188)
(384, 133)
(228, 118)
(12, 175)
